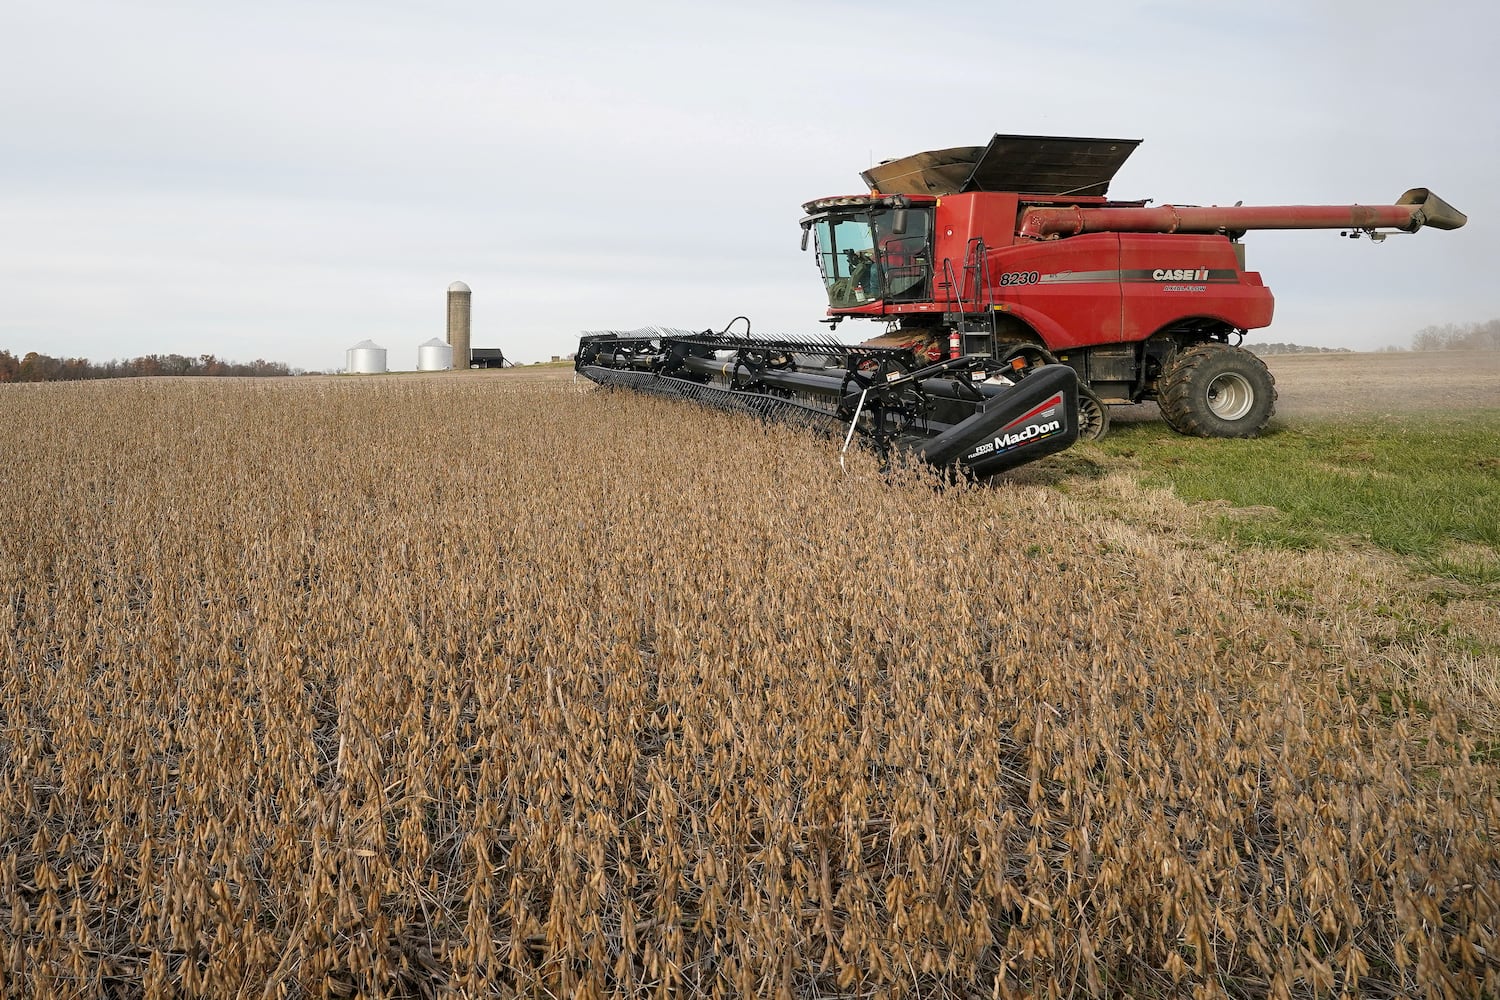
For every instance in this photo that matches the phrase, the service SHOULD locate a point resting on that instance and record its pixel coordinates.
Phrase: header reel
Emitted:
(971, 414)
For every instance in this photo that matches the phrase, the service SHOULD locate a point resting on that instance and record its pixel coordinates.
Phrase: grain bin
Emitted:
(434, 356)
(366, 358)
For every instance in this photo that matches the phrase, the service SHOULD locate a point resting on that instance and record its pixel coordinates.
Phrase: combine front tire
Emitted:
(1214, 390)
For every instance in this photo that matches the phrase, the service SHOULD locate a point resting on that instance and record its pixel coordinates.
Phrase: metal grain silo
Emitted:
(366, 358)
(434, 356)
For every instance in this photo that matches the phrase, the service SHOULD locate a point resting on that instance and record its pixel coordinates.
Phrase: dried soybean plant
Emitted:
(486, 687)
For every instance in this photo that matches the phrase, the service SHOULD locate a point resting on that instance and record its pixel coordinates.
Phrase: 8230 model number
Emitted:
(1020, 278)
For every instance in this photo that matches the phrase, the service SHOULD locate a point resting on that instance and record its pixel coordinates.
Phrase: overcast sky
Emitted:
(280, 180)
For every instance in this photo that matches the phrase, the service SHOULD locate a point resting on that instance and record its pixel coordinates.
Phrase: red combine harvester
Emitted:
(1019, 301)
(1014, 248)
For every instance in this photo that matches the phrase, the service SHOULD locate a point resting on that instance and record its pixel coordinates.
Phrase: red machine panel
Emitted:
(1066, 290)
(1165, 279)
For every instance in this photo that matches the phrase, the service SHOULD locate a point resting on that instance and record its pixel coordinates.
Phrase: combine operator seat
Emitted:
(862, 282)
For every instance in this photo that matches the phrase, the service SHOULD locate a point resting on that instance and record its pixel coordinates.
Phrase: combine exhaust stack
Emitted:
(973, 415)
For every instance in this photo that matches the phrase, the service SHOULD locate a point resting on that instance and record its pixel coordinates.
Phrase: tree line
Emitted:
(34, 367)
(1458, 337)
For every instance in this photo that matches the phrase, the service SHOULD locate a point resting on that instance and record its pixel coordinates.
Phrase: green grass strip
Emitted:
(1415, 484)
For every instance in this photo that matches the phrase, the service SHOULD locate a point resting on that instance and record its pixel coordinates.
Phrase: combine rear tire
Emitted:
(1214, 390)
(1093, 415)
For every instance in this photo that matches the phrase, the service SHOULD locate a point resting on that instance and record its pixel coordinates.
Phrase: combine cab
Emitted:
(1018, 302)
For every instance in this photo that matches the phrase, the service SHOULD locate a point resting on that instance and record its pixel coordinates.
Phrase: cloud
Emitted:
(283, 180)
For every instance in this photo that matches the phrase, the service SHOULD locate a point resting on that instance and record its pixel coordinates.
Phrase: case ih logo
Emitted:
(1179, 274)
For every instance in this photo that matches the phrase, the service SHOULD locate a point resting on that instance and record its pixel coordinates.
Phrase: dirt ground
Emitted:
(1346, 384)
(1307, 385)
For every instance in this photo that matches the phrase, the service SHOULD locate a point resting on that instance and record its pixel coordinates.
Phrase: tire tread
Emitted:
(1179, 402)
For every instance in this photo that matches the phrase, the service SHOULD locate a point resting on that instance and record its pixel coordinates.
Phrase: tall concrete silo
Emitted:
(458, 323)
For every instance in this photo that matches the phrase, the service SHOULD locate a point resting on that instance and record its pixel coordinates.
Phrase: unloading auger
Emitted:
(976, 415)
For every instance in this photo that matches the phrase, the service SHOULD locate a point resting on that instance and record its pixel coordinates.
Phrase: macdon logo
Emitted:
(1179, 274)
(1010, 440)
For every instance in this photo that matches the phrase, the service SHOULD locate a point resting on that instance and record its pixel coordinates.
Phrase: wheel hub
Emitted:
(1230, 396)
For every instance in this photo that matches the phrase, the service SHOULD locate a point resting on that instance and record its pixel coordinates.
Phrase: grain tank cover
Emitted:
(1030, 164)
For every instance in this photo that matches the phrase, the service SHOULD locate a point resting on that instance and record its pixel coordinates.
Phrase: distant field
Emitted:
(1355, 385)
(1310, 385)
(489, 684)
(1319, 386)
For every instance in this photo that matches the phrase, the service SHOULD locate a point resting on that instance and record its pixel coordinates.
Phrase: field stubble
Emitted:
(489, 686)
